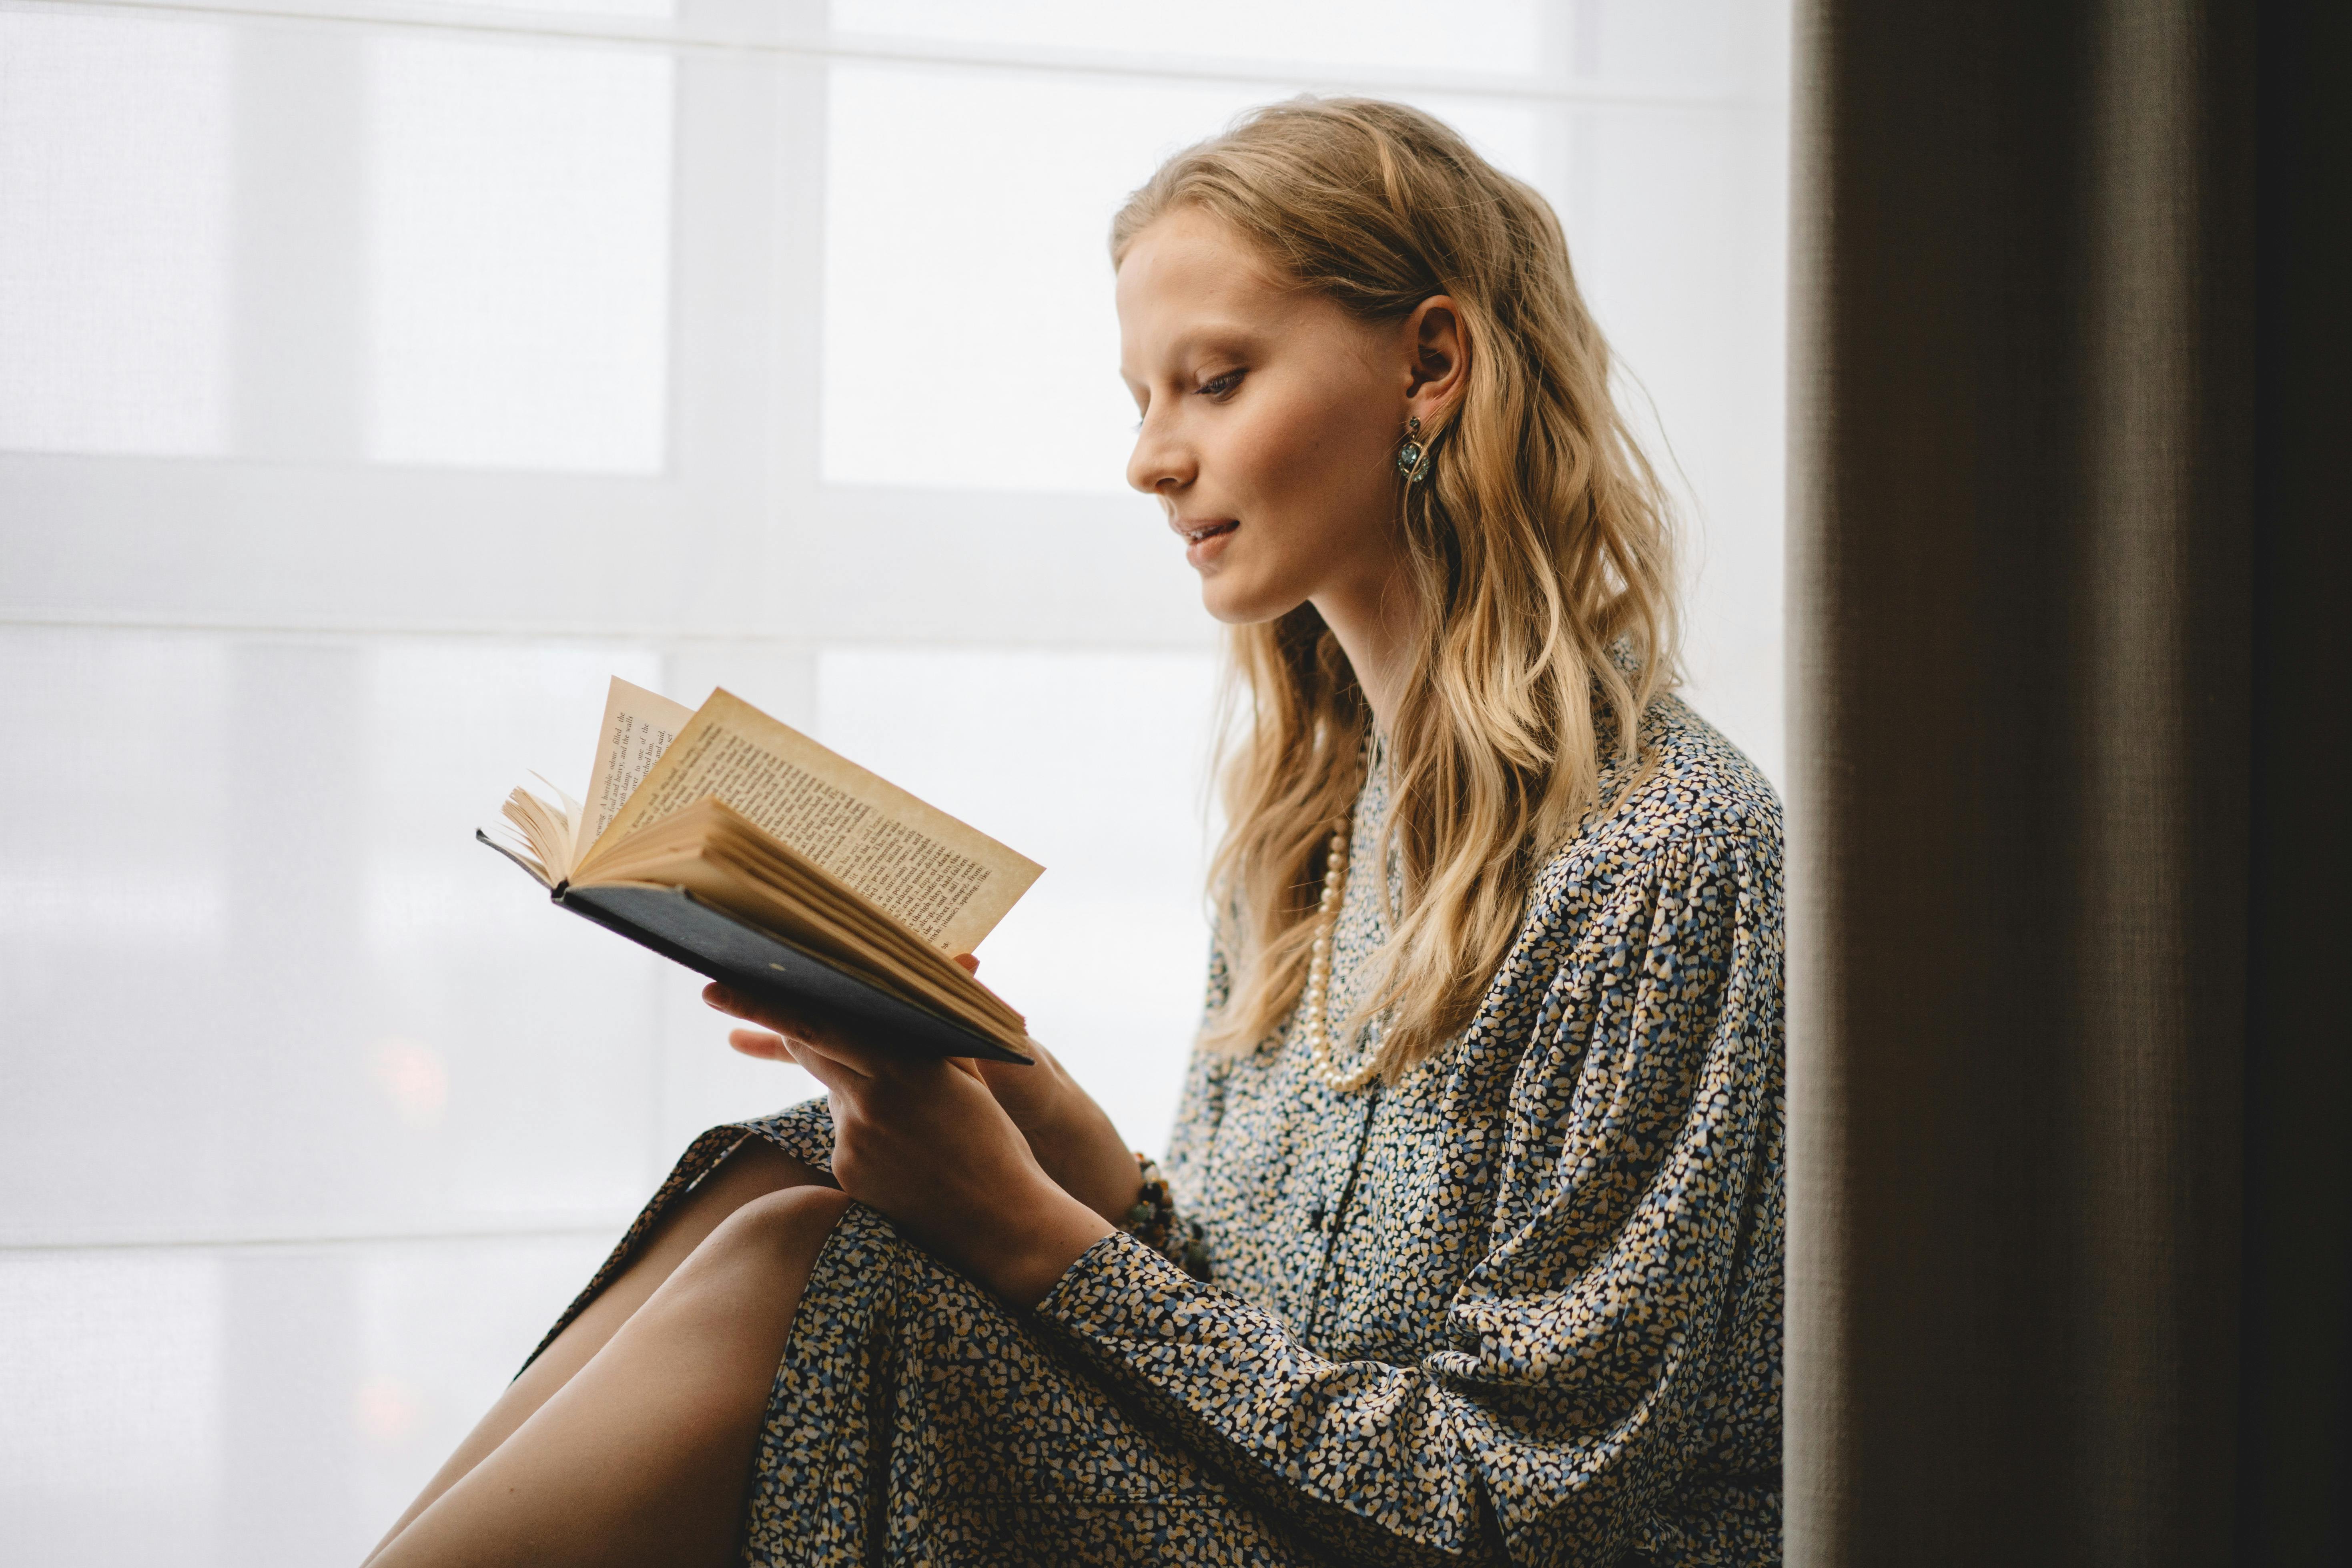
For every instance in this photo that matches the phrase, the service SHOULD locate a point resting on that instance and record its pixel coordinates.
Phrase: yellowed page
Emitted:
(947, 882)
(639, 726)
(544, 832)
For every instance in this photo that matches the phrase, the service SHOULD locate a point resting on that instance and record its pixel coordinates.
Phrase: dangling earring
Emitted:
(1412, 458)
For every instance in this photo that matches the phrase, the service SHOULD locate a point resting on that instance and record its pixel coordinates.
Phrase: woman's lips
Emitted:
(1204, 542)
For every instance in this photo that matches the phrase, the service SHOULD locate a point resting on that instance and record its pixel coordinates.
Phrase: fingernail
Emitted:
(718, 995)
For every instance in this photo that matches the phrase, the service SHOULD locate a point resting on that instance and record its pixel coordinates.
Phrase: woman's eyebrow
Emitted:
(1224, 336)
(1228, 336)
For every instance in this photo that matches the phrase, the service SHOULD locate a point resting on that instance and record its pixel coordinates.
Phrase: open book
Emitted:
(745, 850)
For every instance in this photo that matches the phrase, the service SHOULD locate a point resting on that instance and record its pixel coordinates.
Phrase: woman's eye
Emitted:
(1223, 385)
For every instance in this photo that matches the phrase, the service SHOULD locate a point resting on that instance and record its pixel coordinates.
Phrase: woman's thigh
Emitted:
(670, 1231)
(644, 1456)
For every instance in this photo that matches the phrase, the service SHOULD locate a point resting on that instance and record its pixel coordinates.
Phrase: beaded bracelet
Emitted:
(1152, 1221)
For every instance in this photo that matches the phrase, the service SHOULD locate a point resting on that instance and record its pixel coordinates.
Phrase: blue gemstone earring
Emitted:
(1412, 458)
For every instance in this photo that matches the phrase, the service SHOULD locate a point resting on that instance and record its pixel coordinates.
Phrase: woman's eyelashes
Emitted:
(1218, 389)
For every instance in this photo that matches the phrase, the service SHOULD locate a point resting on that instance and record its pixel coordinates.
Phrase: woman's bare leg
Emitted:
(644, 1455)
(753, 1170)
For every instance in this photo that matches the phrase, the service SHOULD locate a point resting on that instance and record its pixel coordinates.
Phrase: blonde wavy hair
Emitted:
(1540, 540)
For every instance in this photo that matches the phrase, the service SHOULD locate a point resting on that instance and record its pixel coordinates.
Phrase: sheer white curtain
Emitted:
(378, 376)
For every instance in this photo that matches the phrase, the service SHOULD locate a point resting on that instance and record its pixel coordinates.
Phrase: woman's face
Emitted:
(1271, 420)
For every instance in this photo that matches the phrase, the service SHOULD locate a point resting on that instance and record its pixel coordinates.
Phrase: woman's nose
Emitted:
(1159, 462)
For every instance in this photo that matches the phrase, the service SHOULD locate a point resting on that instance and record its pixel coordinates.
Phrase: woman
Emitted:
(1473, 1251)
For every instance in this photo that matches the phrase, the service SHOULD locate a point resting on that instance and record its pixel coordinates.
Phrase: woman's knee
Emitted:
(786, 1227)
(746, 1276)
(750, 1170)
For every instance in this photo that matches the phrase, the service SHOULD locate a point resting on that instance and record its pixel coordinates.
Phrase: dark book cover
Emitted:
(758, 963)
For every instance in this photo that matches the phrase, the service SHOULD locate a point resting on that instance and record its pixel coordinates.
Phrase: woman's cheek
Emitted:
(1268, 457)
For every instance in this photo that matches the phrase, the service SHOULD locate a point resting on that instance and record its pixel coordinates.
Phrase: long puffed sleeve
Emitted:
(1607, 1351)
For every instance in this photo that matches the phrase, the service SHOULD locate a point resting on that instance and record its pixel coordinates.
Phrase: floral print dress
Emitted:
(1523, 1306)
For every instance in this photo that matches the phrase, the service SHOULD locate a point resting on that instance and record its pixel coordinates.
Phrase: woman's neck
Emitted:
(1376, 628)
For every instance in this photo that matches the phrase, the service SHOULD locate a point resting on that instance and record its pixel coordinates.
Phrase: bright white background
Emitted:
(377, 377)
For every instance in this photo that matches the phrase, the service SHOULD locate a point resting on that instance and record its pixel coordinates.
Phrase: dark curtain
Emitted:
(2068, 953)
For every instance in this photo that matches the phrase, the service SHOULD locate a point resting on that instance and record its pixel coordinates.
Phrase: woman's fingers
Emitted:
(838, 1080)
(801, 1032)
(750, 1009)
(759, 1043)
(850, 1055)
(795, 1039)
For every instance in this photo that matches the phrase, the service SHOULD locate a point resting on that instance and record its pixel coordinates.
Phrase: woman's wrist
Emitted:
(1029, 1262)
(1090, 1162)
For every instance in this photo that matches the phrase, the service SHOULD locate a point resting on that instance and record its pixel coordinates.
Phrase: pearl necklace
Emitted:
(1314, 1007)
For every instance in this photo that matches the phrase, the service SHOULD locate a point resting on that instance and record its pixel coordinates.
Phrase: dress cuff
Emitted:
(1120, 1289)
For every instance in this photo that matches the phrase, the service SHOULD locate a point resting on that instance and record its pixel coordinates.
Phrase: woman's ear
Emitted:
(1440, 356)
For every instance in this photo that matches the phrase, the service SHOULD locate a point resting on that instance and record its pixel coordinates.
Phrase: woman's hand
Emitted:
(927, 1144)
(1068, 1132)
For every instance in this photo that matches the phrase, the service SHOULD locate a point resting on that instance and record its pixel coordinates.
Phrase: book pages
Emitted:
(639, 726)
(714, 852)
(946, 882)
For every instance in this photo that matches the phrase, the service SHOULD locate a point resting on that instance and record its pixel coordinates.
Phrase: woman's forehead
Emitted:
(1190, 258)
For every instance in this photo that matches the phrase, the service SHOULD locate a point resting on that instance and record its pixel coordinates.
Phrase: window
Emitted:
(376, 378)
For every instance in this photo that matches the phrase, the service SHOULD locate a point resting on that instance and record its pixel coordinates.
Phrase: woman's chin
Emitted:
(1236, 603)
